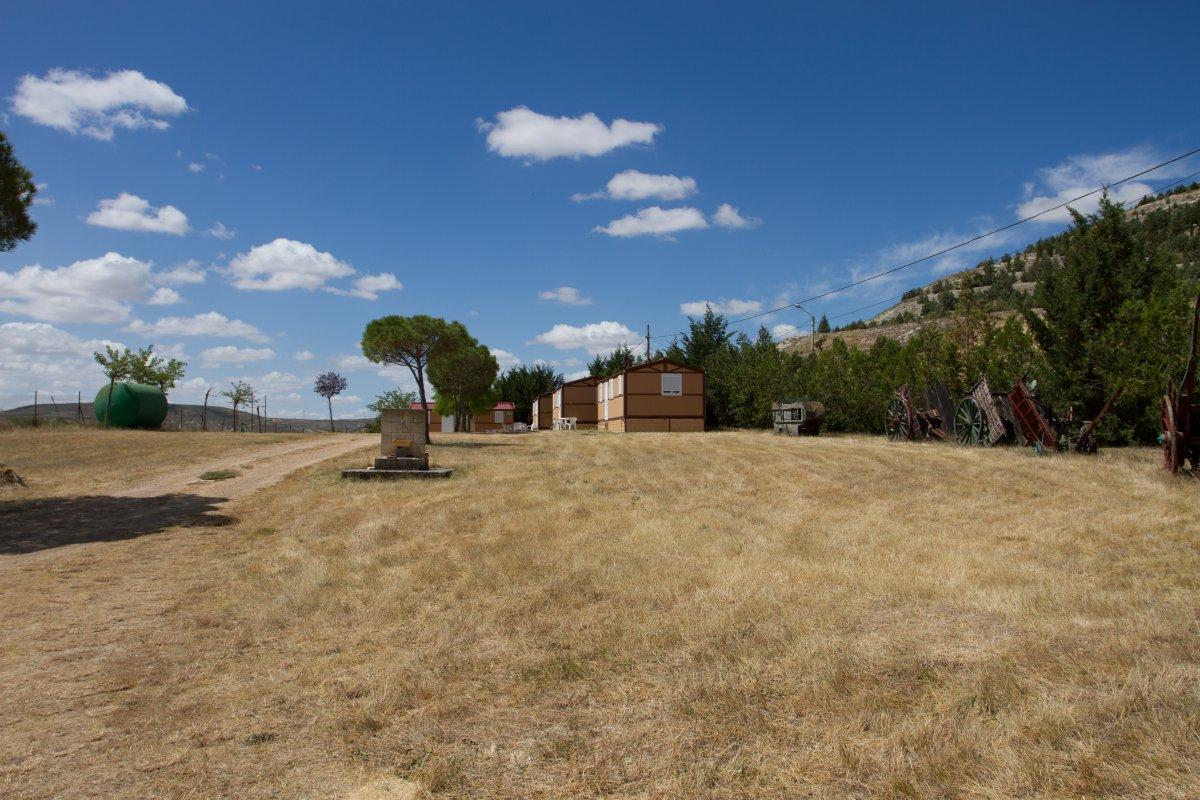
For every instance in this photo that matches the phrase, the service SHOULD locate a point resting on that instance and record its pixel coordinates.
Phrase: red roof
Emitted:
(415, 406)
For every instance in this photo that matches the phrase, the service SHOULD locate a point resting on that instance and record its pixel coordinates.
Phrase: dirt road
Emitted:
(163, 501)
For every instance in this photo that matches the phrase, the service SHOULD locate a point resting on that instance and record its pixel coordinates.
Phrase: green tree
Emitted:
(392, 398)
(239, 393)
(1113, 305)
(116, 367)
(146, 367)
(823, 325)
(524, 384)
(329, 385)
(463, 376)
(17, 191)
(410, 342)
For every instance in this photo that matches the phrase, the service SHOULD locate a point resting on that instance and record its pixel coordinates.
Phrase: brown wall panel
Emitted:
(647, 425)
(651, 383)
(659, 406)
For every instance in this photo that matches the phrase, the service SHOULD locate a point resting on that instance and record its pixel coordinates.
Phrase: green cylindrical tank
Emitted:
(134, 405)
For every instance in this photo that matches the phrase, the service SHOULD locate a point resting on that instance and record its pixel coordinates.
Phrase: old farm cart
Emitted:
(983, 417)
(905, 422)
(1181, 413)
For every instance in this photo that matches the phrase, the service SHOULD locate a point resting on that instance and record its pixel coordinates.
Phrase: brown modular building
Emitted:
(542, 414)
(500, 415)
(576, 399)
(659, 396)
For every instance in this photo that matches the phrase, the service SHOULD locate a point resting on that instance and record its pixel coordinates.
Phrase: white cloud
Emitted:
(128, 212)
(256, 167)
(219, 231)
(566, 295)
(655, 221)
(189, 272)
(163, 296)
(729, 217)
(735, 308)
(97, 290)
(576, 375)
(76, 102)
(1079, 174)
(35, 355)
(634, 185)
(194, 167)
(207, 324)
(506, 359)
(285, 264)
(523, 133)
(785, 331)
(368, 287)
(229, 354)
(354, 361)
(40, 198)
(304, 355)
(595, 337)
(275, 383)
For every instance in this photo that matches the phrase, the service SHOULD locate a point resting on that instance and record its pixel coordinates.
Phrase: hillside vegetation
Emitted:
(1104, 305)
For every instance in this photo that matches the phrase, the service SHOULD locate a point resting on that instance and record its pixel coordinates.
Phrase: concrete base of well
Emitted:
(396, 474)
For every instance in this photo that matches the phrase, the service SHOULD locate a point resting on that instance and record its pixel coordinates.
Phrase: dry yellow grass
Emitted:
(63, 461)
(602, 615)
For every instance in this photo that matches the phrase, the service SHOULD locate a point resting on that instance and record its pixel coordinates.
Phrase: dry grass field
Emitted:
(65, 461)
(726, 615)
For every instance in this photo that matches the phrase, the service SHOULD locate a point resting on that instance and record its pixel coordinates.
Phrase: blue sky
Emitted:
(748, 155)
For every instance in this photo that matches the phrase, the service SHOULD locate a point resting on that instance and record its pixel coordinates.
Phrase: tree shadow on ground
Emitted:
(27, 526)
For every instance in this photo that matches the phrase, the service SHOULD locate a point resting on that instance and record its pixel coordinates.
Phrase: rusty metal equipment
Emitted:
(903, 421)
(798, 417)
(1034, 421)
(983, 417)
(1181, 413)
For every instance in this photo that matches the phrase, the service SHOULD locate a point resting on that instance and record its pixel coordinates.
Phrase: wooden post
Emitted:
(79, 406)
(35, 399)
(181, 417)
(204, 413)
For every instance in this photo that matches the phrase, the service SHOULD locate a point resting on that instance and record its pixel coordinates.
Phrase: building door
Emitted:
(448, 423)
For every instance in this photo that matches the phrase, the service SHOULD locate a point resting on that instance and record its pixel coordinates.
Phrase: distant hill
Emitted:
(1007, 283)
(219, 418)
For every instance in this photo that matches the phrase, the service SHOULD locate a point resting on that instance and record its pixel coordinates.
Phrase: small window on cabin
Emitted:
(672, 384)
(610, 390)
(621, 384)
(499, 417)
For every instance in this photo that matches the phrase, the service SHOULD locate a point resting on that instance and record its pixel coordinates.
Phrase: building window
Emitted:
(672, 384)
(499, 417)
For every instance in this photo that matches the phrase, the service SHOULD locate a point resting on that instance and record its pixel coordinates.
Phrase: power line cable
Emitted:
(959, 245)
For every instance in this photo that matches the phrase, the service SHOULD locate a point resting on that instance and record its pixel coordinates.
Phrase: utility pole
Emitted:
(647, 341)
(79, 406)
(812, 338)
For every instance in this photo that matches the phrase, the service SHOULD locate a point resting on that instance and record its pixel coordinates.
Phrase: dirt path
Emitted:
(167, 500)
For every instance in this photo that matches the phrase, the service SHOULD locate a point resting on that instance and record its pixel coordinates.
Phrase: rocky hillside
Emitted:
(1006, 283)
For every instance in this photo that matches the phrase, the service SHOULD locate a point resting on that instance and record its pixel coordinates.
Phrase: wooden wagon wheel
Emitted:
(897, 423)
(970, 423)
(1171, 448)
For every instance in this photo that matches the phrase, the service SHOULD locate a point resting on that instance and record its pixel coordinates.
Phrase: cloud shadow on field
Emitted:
(27, 526)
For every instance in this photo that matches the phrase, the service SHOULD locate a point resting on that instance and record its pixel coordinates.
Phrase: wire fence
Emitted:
(36, 409)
